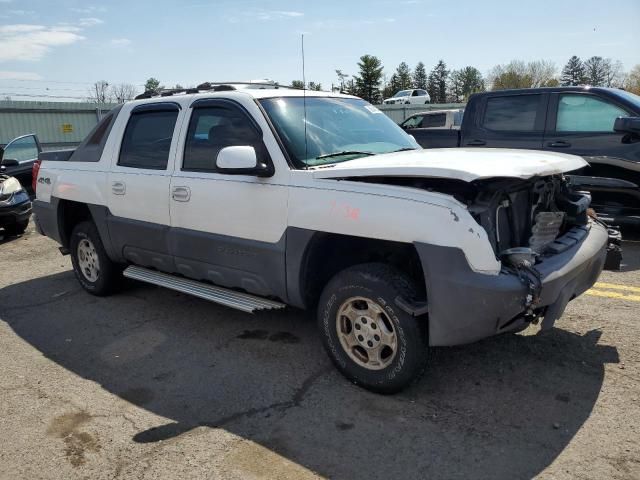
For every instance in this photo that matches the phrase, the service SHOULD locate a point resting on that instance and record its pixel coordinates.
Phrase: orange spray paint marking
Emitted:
(344, 210)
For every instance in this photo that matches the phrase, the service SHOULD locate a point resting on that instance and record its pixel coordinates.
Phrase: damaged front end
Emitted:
(551, 250)
(526, 221)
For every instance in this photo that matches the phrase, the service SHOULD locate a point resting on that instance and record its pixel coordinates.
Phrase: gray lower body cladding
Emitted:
(465, 306)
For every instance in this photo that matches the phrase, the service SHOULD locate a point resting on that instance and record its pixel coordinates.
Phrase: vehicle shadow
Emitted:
(505, 407)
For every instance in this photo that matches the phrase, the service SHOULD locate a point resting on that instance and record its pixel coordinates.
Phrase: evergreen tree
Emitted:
(152, 85)
(465, 82)
(341, 79)
(595, 71)
(392, 87)
(573, 72)
(297, 84)
(404, 76)
(368, 81)
(420, 76)
(437, 83)
(351, 88)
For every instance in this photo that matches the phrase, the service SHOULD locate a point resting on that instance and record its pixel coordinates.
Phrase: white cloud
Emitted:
(329, 24)
(91, 9)
(265, 15)
(120, 42)
(20, 12)
(7, 75)
(89, 22)
(32, 42)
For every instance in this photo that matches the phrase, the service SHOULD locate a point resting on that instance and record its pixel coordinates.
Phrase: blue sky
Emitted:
(66, 45)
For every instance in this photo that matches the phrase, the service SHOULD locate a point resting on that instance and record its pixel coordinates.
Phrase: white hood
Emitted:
(466, 164)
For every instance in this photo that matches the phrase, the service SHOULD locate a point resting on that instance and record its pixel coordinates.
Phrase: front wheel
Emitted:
(92, 266)
(371, 340)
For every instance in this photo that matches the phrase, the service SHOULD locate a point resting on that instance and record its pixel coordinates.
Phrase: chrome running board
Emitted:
(223, 296)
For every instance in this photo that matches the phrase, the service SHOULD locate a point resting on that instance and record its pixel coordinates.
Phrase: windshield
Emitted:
(338, 129)
(402, 93)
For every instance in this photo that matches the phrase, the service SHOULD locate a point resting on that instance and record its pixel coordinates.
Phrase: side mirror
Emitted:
(241, 160)
(627, 125)
(10, 162)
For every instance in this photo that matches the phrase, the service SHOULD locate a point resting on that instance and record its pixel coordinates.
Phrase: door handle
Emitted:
(559, 144)
(478, 143)
(118, 188)
(181, 194)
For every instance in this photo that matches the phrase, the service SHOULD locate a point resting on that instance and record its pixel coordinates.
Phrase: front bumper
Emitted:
(465, 306)
(15, 214)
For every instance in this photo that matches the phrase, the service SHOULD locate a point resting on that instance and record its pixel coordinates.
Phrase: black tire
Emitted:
(381, 285)
(109, 273)
(17, 228)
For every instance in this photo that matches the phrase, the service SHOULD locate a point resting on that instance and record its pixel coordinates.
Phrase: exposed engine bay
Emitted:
(515, 213)
(525, 220)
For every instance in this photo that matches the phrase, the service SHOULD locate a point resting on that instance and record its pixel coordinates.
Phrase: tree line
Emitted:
(442, 84)
(455, 86)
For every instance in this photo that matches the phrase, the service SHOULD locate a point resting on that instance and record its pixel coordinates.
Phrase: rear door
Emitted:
(138, 186)
(513, 120)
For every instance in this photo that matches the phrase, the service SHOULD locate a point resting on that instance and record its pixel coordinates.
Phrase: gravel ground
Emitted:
(154, 384)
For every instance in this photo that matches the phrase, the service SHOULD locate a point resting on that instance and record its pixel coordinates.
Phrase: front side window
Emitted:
(516, 113)
(22, 149)
(337, 129)
(147, 140)
(436, 120)
(213, 128)
(585, 113)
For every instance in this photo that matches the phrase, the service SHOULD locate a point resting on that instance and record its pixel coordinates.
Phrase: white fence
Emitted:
(398, 113)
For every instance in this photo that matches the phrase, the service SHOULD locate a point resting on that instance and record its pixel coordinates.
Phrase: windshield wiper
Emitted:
(405, 149)
(344, 152)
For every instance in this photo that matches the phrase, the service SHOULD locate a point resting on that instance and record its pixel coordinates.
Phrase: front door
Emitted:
(584, 126)
(138, 186)
(227, 229)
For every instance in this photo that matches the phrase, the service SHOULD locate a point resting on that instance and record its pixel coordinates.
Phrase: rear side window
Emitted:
(213, 128)
(147, 140)
(584, 113)
(515, 113)
(437, 120)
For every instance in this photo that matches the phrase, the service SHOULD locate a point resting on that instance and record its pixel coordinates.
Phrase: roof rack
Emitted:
(212, 86)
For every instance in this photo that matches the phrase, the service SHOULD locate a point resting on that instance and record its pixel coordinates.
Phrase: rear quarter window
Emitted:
(90, 150)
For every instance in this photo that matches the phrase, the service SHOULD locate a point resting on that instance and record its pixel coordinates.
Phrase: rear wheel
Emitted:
(17, 228)
(371, 341)
(92, 266)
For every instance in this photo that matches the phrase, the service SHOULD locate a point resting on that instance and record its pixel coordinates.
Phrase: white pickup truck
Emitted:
(257, 199)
